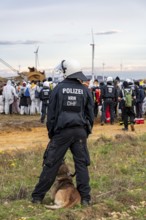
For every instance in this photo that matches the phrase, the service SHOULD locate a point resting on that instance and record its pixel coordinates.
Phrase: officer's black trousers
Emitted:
(128, 112)
(75, 139)
(44, 111)
(95, 109)
(138, 110)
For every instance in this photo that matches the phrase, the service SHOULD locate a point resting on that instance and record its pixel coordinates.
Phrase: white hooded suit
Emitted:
(9, 93)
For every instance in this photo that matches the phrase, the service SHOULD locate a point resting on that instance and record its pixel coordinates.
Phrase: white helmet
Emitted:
(68, 67)
(46, 84)
(109, 79)
(129, 81)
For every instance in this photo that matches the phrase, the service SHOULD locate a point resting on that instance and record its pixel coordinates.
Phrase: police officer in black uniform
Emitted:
(69, 122)
(109, 98)
(44, 96)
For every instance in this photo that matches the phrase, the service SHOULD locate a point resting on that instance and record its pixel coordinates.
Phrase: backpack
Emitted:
(51, 86)
(27, 93)
(37, 94)
(128, 97)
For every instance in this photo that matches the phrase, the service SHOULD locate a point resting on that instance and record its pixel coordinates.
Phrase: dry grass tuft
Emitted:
(102, 140)
(125, 137)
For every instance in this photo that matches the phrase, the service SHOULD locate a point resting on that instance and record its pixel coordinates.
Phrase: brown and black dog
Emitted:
(64, 193)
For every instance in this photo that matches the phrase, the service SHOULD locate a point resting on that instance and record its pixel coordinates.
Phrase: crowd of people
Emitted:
(118, 100)
(31, 98)
(25, 98)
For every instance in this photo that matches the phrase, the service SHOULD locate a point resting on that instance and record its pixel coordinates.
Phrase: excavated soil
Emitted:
(25, 132)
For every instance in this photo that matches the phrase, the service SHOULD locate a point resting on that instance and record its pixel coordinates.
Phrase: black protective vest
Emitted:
(45, 94)
(109, 91)
(71, 105)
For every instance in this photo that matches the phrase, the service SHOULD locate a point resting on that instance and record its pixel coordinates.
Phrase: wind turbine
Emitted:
(93, 53)
(36, 57)
(121, 66)
(103, 65)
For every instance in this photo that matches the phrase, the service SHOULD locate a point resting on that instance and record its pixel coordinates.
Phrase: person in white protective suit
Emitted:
(34, 102)
(9, 93)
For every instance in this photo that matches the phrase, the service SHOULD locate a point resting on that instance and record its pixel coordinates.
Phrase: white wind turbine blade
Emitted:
(36, 57)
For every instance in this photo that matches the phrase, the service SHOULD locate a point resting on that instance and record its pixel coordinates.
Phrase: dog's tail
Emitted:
(53, 207)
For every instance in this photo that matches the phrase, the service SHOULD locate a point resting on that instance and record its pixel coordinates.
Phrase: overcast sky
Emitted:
(62, 29)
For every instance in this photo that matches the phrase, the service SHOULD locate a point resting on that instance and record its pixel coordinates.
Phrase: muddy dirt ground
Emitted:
(24, 132)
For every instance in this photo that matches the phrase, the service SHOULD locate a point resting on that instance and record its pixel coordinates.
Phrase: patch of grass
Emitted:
(143, 137)
(117, 179)
(114, 205)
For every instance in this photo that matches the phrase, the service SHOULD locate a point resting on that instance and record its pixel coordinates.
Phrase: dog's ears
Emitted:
(71, 175)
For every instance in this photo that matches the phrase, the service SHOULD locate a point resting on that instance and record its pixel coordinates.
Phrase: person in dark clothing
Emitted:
(127, 109)
(69, 122)
(117, 85)
(139, 92)
(109, 98)
(44, 97)
(23, 100)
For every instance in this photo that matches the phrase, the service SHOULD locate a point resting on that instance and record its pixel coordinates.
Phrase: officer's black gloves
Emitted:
(50, 134)
(88, 127)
